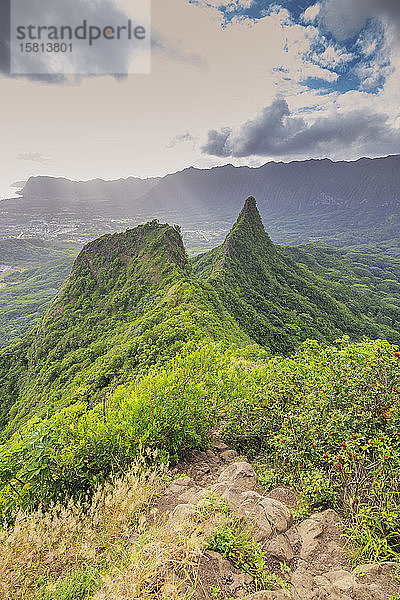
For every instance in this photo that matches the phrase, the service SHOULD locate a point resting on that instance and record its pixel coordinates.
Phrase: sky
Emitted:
(239, 81)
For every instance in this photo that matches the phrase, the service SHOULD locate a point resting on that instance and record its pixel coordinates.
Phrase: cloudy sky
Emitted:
(242, 81)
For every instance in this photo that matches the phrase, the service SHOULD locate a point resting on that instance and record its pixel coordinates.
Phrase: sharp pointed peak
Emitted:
(246, 239)
(250, 207)
(249, 217)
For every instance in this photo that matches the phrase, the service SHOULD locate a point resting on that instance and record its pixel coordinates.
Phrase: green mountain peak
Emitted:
(247, 243)
(134, 300)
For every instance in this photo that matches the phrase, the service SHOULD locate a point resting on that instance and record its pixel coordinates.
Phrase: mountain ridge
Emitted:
(340, 202)
(134, 300)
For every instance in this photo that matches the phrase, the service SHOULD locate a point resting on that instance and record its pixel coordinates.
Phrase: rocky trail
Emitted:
(315, 564)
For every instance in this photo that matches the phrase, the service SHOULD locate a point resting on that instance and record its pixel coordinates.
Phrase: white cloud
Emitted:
(311, 13)
(32, 156)
(332, 57)
(368, 43)
(181, 139)
(204, 76)
(345, 18)
(231, 5)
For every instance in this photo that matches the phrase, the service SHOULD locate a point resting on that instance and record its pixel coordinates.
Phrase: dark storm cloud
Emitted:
(110, 58)
(4, 36)
(345, 18)
(275, 132)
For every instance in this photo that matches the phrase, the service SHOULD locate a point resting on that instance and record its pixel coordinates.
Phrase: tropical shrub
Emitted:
(327, 422)
(168, 413)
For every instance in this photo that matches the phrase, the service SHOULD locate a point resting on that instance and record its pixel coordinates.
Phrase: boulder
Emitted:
(343, 580)
(220, 565)
(279, 548)
(253, 513)
(277, 514)
(229, 456)
(240, 582)
(182, 512)
(240, 475)
(309, 531)
(303, 584)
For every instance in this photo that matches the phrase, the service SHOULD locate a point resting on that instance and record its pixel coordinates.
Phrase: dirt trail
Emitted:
(317, 567)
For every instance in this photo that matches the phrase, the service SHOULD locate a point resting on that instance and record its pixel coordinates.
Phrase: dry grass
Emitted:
(42, 548)
(164, 559)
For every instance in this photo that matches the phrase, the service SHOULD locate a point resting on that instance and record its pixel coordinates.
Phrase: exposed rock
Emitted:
(240, 582)
(240, 475)
(253, 512)
(371, 571)
(229, 455)
(179, 485)
(220, 447)
(343, 580)
(313, 549)
(284, 495)
(279, 548)
(232, 495)
(303, 584)
(268, 595)
(309, 532)
(293, 536)
(278, 514)
(222, 566)
(181, 512)
(364, 592)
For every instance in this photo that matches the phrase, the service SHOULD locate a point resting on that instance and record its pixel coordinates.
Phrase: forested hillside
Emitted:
(145, 358)
(25, 294)
(133, 300)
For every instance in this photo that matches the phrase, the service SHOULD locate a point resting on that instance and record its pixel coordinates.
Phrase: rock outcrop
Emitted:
(316, 565)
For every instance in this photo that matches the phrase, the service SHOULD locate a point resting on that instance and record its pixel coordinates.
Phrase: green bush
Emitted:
(234, 541)
(170, 411)
(327, 423)
(80, 585)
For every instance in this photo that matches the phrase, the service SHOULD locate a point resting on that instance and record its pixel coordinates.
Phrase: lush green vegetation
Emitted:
(34, 251)
(369, 273)
(26, 295)
(134, 299)
(325, 421)
(169, 411)
(143, 351)
(279, 302)
(131, 302)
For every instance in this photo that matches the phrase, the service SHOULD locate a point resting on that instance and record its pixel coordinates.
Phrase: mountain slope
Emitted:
(276, 301)
(129, 302)
(25, 295)
(134, 300)
(337, 202)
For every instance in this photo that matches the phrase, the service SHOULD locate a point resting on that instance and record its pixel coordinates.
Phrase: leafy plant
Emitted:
(79, 585)
(235, 543)
(325, 422)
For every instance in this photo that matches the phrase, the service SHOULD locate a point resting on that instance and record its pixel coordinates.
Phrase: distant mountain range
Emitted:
(336, 202)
